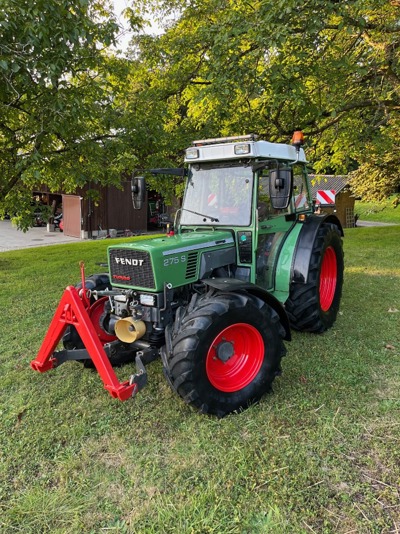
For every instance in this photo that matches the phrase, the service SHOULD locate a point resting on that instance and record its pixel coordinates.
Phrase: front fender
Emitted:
(232, 284)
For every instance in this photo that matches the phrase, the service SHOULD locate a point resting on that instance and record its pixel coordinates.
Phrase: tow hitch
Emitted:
(73, 310)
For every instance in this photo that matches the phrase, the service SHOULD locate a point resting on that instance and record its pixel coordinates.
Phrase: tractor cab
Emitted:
(239, 181)
(255, 189)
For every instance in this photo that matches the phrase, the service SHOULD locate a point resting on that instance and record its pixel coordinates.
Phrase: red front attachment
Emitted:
(72, 310)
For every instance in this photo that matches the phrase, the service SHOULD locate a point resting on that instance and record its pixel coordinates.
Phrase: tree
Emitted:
(58, 123)
(330, 68)
(74, 114)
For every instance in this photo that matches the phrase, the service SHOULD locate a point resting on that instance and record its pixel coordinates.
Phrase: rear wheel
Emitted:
(313, 307)
(226, 352)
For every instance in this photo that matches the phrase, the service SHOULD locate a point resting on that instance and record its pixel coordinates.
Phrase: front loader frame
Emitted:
(73, 310)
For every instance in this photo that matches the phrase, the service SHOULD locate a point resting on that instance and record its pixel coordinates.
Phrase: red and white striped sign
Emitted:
(300, 200)
(326, 196)
(212, 199)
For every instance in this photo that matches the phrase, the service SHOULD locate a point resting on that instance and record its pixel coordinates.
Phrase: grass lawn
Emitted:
(378, 211)
(319, 455)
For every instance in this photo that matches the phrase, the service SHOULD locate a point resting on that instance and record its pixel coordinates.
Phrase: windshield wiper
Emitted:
(212, 219)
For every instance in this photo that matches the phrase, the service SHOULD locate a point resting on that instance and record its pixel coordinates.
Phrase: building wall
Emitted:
(120, 212)
(113, 210)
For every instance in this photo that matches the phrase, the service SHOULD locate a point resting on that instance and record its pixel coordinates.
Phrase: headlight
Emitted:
(147, 300)
(242, 148)
(192, 153)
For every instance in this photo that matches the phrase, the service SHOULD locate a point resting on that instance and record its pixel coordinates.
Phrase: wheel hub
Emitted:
(235, 357)
(225, 350)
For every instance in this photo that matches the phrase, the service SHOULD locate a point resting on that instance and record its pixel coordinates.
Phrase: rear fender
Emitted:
(305, 244)
(232, 284)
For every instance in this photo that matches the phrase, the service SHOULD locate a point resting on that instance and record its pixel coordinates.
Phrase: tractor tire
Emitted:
(226, 351)
(72, 340)
(313, 306)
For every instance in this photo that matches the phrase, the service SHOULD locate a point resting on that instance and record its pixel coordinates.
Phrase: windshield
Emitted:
(218, 195)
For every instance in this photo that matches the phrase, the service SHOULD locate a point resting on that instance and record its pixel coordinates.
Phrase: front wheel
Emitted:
(313, 306)
(226, 352)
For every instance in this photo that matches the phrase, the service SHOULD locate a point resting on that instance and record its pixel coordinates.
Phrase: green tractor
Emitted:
(215, 298)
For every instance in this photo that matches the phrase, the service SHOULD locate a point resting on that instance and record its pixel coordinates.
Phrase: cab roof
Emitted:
(231, 148)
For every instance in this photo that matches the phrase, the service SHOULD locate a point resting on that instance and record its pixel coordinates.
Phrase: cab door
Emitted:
(273, 226)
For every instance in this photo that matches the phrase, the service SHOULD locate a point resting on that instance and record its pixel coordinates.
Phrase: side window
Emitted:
(301, 197)
(263, 200)
(265, 209)
(301, 200)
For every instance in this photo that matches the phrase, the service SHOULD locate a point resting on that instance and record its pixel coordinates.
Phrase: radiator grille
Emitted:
(191, 266)
(131, 268)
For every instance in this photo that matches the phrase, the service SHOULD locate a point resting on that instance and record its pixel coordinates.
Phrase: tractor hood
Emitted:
(174, 260)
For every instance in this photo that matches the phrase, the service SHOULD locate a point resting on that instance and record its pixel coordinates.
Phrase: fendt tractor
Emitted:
(248, 259)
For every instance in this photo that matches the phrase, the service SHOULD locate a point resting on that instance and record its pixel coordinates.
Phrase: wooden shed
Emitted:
(344, 200)
(112, 213)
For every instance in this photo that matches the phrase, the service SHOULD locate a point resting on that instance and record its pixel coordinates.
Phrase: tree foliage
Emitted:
(330, 68)
(58, 125)
(72, 113)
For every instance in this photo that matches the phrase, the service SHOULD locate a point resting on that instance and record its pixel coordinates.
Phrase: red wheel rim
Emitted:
(328, 279)
(246, 350)
(95, 313)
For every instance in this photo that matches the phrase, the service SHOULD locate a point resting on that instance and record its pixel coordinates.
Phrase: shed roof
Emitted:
(328, 181)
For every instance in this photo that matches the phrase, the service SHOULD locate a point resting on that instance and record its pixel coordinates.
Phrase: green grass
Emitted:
(378, 211)
(321, 454)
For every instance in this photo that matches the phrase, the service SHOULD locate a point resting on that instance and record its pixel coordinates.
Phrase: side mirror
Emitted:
(280, 187)
(138, 187)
